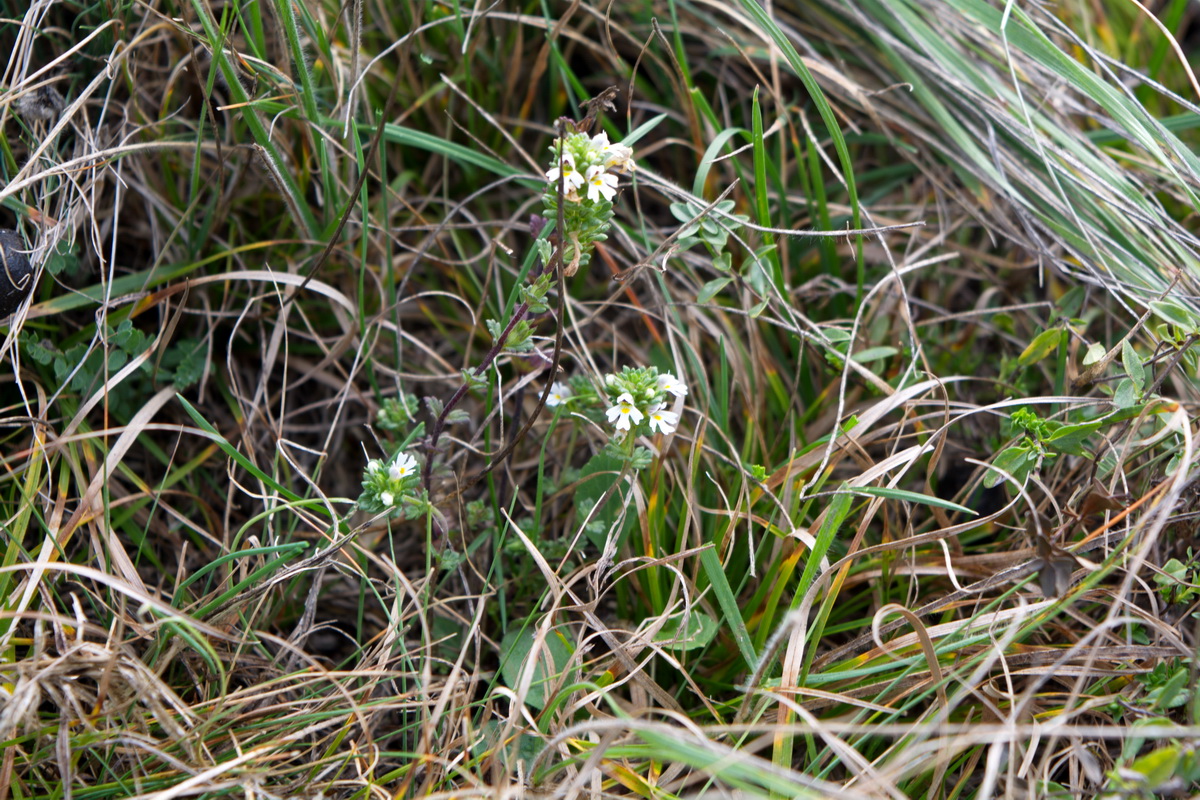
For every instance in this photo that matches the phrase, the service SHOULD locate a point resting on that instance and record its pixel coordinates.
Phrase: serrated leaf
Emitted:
(1042, 345)
(1133, 366)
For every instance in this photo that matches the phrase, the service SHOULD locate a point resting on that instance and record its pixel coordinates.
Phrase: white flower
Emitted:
(672, 385)
(404, 466)
(374, 465)
(387, 498)
(616, 156)
(601, 183)
(559, 394)
(624, 413)
(663, 421)
(572, 180)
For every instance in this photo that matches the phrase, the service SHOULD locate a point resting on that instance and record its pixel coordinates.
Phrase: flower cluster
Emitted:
(588, 167)
(636, 399)
(639, 398)
(589, 163)
(393, 487)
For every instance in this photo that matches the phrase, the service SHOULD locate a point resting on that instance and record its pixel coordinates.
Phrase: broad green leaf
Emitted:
(1042, 345)
(1094, 353)
(1175, 314)
(1070, 438)
(1126, 395)
(874, 354)
(1157, 767)
(1133, 366)
(1016, 460)
(553, 659)
(712, 289)
(699, 630)
(599, 475)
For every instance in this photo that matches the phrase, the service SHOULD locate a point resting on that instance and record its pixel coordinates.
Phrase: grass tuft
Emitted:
(844, 450)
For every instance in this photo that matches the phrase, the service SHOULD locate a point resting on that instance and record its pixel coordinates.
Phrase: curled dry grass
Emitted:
(798, 606)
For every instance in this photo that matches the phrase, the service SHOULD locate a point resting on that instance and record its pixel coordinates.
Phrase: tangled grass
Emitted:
(924, 524)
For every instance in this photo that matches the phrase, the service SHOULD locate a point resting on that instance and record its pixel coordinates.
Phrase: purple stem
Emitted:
(439, 424)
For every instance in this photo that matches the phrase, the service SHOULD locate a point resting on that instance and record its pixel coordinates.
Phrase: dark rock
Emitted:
(16, 273)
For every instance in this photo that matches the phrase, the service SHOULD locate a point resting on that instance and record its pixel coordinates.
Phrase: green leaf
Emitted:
(1094, 353)
(1157, 767)
(1070, 304)
(874, 354)
(730, 610)
(1133, 366)
(1171, 694)
(240, 458)
(699, 630)
(1042, 345)
(712, 289)
(1126, 395)
(1070, 438)
(596, 477)
(62, 259)
(1174, 314)
(553, 658)
(1016, 460)
(910, 497)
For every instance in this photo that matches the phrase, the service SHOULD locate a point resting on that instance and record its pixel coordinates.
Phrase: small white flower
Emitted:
(387, 498)
(404, 466)
(624, 413)
(374, 465)
(662, 420)
(559, 394)
(601, 184)
(616, 156)
(572, 180)
(672, 385)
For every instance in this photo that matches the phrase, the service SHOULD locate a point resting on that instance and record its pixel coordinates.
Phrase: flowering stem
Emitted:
(440, 423)
(518, 314)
